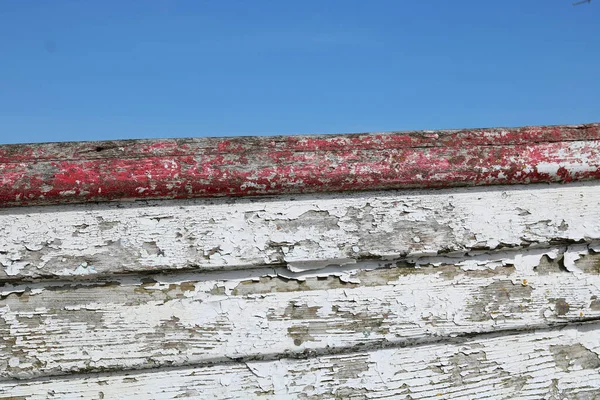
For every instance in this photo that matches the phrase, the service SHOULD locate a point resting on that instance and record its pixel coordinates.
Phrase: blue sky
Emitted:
(96, 70)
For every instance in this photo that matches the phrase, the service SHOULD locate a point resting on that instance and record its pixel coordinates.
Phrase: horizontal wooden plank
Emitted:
(71, 151)
(307, 231)
(177, 320)
(103, 171)
(544, 364)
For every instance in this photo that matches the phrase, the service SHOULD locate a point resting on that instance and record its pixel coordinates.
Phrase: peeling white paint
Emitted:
(573, 254)
(547, 364)
(82, 269)
(302, 266)
(524, 260)
(213, 317)
(307, 276)
(242, 233)
(14, 267)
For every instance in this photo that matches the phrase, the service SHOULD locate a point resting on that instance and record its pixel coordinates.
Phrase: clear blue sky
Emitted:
(94, 70)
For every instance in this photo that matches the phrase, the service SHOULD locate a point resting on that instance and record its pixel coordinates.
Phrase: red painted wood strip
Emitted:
(390, 140)
(57, 173)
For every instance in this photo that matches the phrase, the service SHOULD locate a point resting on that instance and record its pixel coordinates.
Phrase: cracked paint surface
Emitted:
(306, 232)
(101, 171)
(541, 364)
(128, 323)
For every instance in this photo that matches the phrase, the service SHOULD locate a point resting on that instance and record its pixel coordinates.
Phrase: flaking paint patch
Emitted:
(523, 260)
(573, 254)
(8, 289)
(540, 364)
(301, 232)
(14, 267)
(197, 318)
(82, 269)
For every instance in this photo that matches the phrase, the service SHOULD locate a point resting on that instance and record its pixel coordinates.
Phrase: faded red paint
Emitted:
(183, 168)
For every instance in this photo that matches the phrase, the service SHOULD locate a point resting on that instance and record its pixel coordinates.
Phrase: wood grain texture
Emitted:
(303, 232)
(555, 364)
(188, 319)
(103, 171)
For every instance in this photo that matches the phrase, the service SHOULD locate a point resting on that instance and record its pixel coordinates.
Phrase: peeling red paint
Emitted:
(182, 168)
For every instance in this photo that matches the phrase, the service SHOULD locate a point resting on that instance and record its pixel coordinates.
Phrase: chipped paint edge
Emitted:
(159, 169)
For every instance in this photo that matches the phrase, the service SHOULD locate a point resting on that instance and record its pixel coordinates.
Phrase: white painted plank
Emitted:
(307, 231)
(197, 318)
(545, 364)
